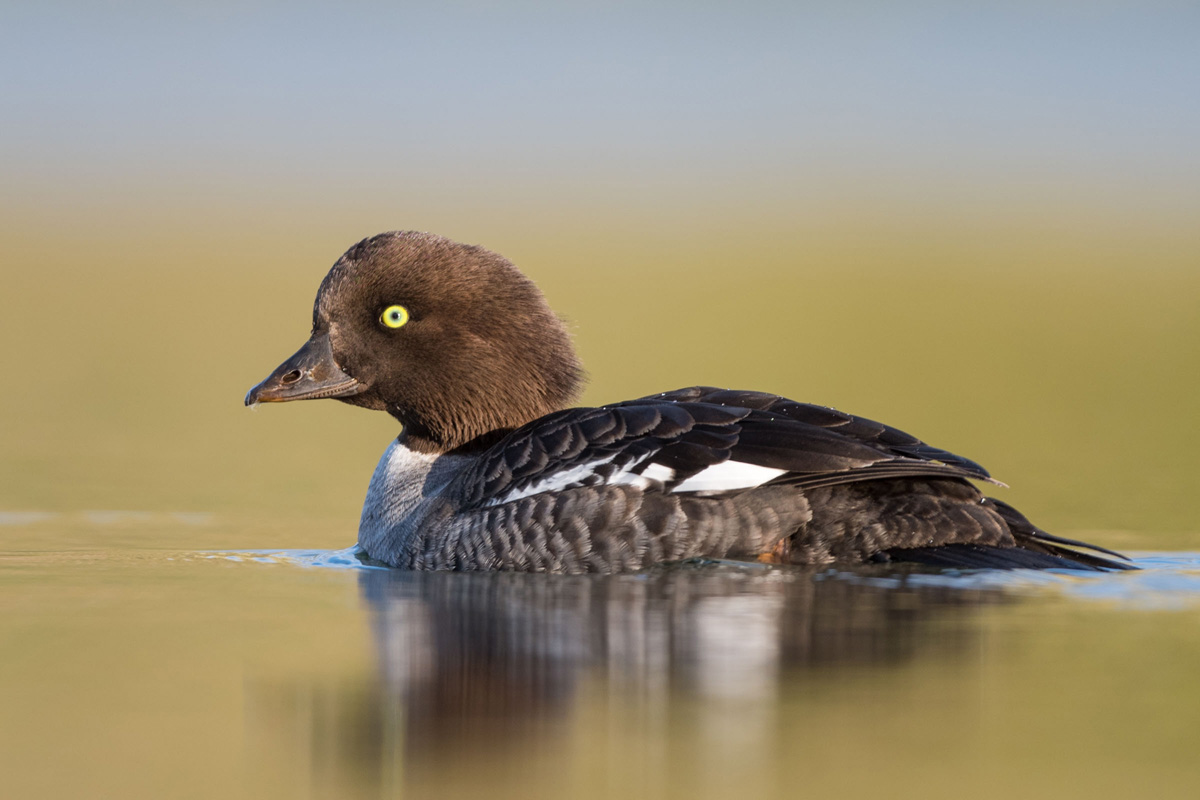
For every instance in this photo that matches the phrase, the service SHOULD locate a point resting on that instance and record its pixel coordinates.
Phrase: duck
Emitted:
(494, 469)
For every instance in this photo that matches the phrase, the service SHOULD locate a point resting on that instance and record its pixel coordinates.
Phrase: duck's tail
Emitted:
(1036, 549)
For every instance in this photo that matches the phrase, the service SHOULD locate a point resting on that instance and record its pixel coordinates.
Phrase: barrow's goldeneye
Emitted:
(493, 471)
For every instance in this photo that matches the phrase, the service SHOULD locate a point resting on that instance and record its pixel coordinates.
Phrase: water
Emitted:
(136, 671)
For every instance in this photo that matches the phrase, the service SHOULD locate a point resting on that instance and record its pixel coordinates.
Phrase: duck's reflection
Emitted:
(685, 670)
(473, 652)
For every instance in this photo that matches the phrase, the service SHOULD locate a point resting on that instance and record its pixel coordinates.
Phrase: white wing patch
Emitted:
(727, 476)
(724, 477)
(554, 482)
(658, 472)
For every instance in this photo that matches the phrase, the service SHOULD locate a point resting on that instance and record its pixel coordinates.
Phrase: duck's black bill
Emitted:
(308, 375)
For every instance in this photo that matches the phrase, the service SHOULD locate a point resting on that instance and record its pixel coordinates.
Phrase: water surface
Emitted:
(136, 671)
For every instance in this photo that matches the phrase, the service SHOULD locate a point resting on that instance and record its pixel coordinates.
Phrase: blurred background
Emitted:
(977, 222)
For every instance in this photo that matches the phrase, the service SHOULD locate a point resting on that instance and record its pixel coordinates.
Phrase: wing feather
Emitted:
(664, 442)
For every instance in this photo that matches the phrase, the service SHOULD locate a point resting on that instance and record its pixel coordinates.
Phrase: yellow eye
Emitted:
(394, 316)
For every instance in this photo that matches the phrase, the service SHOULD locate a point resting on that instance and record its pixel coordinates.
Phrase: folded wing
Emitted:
(700, 440)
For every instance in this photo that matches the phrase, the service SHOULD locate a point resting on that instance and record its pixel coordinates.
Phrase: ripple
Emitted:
(347, 558)
(1164, 580)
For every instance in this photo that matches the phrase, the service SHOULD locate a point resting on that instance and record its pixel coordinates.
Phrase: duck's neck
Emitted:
(465, 428)
(426, 445)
